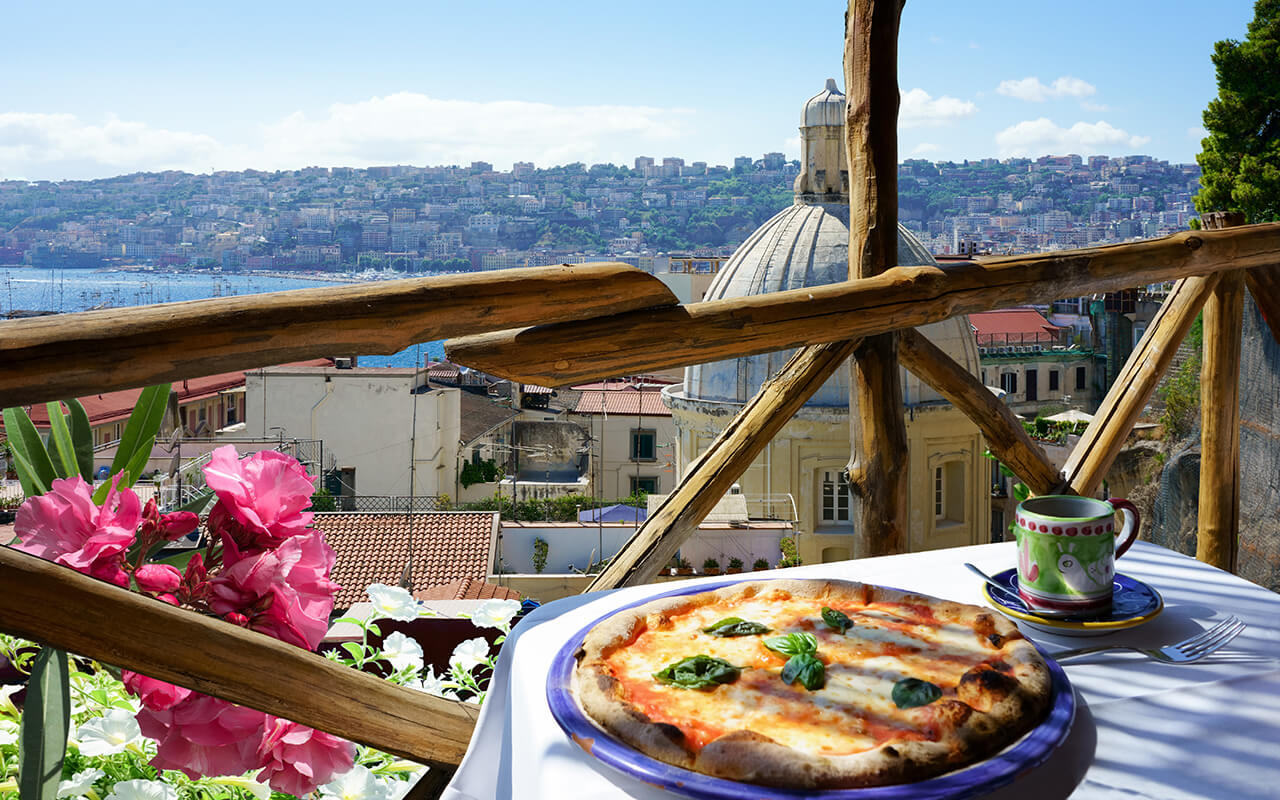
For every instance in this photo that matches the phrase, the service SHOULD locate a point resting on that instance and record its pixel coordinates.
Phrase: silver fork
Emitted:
(1184, 652)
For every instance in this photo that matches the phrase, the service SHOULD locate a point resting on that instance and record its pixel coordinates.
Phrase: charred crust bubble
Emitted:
(889, 751)
(997, 641)
(983, 682)
(671, 732)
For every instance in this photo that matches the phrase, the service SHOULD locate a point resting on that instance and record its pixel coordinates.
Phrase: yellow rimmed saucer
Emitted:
(1134, 603)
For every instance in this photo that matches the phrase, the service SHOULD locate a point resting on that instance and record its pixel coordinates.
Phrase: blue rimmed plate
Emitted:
(1133, 603)
(1028, 752)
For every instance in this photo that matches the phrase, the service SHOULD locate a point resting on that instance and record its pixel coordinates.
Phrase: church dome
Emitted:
(825, 108)
(802, 246)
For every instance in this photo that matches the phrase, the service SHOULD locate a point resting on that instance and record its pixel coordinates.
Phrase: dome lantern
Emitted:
(824, 175)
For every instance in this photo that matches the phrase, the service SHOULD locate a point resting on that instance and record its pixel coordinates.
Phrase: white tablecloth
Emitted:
(1143, 729)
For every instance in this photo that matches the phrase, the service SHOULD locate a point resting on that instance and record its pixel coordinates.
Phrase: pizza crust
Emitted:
(993, 704)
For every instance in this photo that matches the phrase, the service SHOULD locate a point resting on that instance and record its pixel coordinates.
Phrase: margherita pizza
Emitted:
(812, 684)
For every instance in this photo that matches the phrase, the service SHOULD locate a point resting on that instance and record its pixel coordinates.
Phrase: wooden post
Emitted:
(1005, 435)
(1219, 514)
(1103, 439)
(711, 475)
(1264, 284)
(58, 606)
(902, 297)
(878, 464)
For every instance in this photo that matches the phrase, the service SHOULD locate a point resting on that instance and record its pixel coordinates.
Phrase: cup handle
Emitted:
(1132, 523)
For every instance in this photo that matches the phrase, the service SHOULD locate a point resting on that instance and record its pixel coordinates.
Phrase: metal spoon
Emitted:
(995, 585)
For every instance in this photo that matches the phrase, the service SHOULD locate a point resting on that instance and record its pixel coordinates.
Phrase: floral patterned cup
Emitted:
(1067, 547)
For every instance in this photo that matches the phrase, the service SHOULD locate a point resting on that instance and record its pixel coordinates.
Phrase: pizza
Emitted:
(811, 684)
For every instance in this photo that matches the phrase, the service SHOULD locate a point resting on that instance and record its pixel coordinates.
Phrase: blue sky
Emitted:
(98, 89)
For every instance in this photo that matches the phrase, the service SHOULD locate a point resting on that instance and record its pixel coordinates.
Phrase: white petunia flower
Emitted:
(434, 684)
(142, 790)
(109, 734)
(8, 732)
(470, 654)
(357, 783)
(495, 614)
(392, 602)
(402, 651)
(80, 783)
(395, 788)
(7, 691)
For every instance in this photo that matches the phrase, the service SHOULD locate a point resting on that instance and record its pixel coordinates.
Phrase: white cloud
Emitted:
(34, 145)
(919, 110)
(1031, 89)
(1040, 136)
(403, 128)
(924, 148)
(1087, 106)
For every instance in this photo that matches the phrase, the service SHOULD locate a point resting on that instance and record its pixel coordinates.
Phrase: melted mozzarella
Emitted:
(852, 713)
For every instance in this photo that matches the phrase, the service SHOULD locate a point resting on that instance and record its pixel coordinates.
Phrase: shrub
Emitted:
(540, 548)
(711, 563)
(790, 553)
(322, 500)
(735, 563)
(760, 563)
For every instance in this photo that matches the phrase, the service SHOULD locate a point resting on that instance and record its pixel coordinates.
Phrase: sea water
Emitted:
(28, 289)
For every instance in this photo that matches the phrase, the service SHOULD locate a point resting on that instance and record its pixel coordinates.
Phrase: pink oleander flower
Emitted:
(66, 527)
(155, 695)
(298, 759)
(264, 494)
(157, 578)
(203, 736)
(286, 592)
(169, 527)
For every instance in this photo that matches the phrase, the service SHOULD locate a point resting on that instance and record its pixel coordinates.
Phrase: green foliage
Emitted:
(483, 472)
(760, 563)
(735, 563)
(790, 554)
(540, 548)
(1241, 156)
(46, 722)
(1181, 397)
(710, 563)
(322, 500)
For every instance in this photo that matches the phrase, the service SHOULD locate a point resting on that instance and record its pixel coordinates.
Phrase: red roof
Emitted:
(624, 401)
(467, 589)
(1013, 325)
(374, 547)
(117, 406)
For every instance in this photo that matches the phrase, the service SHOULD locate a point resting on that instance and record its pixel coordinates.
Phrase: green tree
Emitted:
(1241, 157)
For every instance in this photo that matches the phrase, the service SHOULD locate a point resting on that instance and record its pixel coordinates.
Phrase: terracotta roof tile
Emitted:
(467, 589)
(374, 548)
(622, 401)
(1013, 325)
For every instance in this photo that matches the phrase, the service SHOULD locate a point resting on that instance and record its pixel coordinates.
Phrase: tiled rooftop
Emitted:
(628, 401)
(1023, 324)
(374, 548)
(467, 589)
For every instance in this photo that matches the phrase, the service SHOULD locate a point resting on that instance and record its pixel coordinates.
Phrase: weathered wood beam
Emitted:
(1218, 519)
(877, 467)
(71, 355)
(1105, 437)
(902, 297)
(1264, 284)
(58, 606)
(716, 470)
(1005, 436)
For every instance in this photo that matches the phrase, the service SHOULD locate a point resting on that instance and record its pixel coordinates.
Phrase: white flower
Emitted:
(396, 788)
(434, 684)
(7, 691)
(495, 614)
(470, 654)
(402, 651)
(357, 783)
(392, 602)
(80, 783)
(8, 732)
(142, 790)
(109, 734)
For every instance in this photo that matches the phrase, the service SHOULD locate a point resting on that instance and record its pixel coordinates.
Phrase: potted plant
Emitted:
(760, 564)
(682, 567)
(735, 566)
(9, 508)
(790, 553)
(710, 567)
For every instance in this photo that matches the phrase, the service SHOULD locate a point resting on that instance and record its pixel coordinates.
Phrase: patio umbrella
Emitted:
(1071, 415)
(614, 513)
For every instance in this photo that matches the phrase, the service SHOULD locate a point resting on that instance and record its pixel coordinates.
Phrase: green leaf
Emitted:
(130, 474)
(354, 649)
(1021, 492)
(912, 692)
(30, 458)
(143, 425)
(61, 451)
(197, 504)
(736, 626)
(81, 438)
(698, 672)
(836, 619)
(46, 720)
(178, 560)
(793, 644)
(806, 668)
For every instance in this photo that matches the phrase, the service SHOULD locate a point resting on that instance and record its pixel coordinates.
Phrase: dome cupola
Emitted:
(824, 171)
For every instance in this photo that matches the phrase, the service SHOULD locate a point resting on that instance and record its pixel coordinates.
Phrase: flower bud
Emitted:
(178, 524)
(157, 578)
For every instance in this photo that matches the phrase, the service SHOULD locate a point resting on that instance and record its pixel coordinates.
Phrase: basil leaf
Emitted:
(836, 619)
(698, 672)
(807, 669)
(736, 626)
(793, 644)
(912, 692)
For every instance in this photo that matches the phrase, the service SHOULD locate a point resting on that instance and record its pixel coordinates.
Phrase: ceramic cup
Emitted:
(1067, 549)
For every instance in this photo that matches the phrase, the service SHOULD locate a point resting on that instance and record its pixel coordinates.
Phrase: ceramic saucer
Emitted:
(1134, 603)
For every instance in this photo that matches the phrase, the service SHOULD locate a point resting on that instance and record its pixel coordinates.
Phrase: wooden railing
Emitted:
(601, 320)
